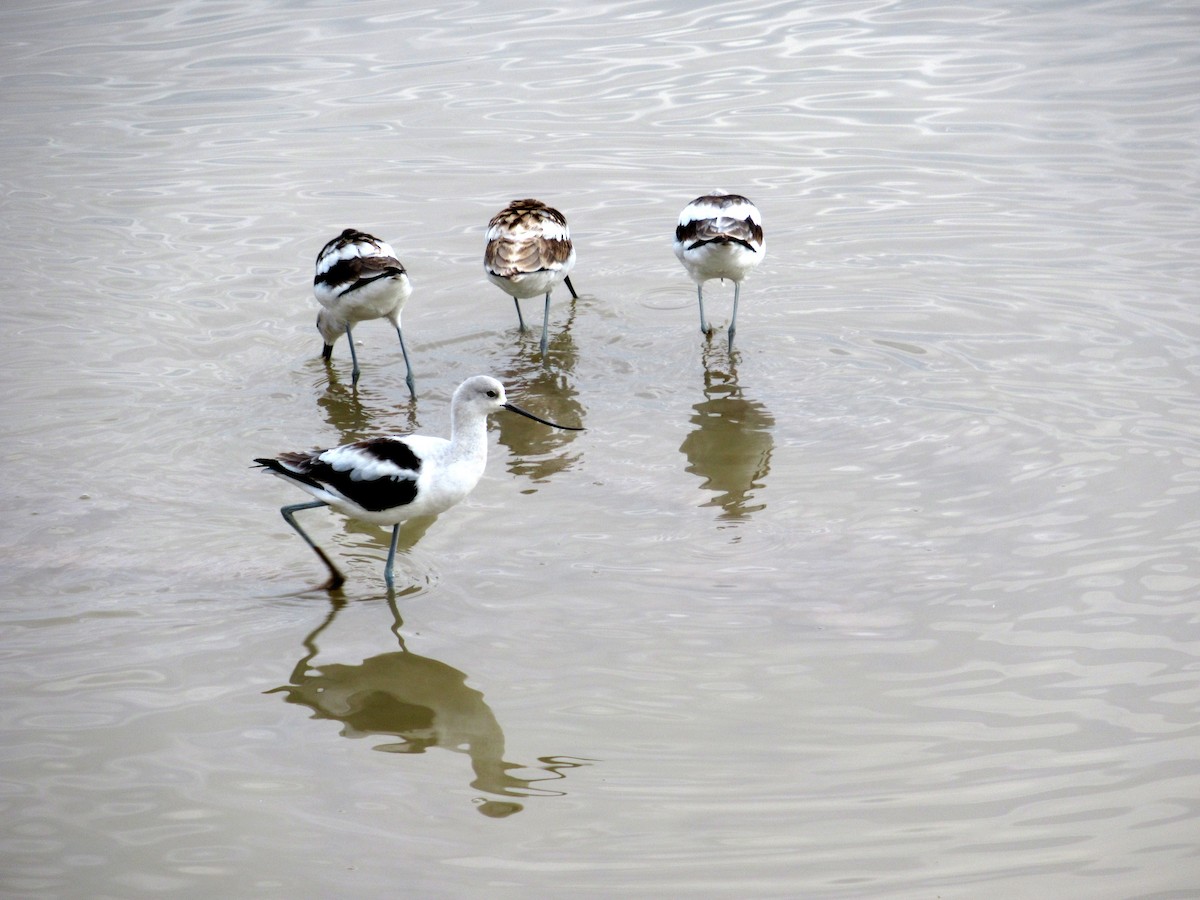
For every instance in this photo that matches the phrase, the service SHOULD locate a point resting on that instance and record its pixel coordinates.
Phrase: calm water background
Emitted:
(900, 599)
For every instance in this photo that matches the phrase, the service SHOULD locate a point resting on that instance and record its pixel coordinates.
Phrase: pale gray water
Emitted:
(899, 601)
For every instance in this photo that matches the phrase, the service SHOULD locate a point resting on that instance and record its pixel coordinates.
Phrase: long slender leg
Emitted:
(336, 578)
(391, 560)
(570, 287)
(520, 318)
(704, 329)
(354, 373)
(737, 291)
(545, 324)
(409, 378)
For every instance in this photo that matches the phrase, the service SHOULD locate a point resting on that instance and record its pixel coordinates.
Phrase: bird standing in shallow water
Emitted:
(387, 480)
(528, 253)
(358, 277)
(719, 236)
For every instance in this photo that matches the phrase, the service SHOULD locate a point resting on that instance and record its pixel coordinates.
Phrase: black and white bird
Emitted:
(529, 253)
(719, 235)
(387, 480)
(358, 277)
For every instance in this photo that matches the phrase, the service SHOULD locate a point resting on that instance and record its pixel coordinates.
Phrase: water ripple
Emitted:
(894, 600)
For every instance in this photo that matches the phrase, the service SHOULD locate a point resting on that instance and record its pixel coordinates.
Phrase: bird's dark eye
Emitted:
(491, 394)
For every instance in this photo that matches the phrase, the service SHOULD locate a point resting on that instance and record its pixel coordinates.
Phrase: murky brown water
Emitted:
(900, 599)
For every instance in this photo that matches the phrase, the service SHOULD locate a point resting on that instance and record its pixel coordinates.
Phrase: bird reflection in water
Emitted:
(424, 704)
(364, 412)
(538, 455)
(731, 443)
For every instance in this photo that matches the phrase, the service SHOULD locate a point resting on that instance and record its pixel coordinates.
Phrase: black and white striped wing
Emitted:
(721, 219)
(351, 261)
(528, 236)
(375, 475)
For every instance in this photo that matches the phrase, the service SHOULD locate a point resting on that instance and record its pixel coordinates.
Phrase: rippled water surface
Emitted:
(900, 598)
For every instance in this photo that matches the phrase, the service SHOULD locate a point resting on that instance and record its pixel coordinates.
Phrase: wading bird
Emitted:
(529, 253)
(358, 277)
(387, 480)
(719, 236)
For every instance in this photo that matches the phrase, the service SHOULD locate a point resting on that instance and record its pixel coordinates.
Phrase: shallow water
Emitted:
(897, 599)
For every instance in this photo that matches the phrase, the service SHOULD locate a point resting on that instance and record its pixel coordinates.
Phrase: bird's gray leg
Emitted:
(354, 373)
(391, 560)
(336, 578)
(412, 390)
(737, 291)
(704, 329)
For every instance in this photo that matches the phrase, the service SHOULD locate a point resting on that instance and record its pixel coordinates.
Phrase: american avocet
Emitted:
(386, 480)
(528, 253)
(358, 278)
(719, 236)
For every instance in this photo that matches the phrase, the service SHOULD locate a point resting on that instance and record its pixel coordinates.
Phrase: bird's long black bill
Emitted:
(512, 408)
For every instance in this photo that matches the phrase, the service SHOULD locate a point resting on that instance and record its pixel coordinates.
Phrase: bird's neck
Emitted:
(470, 438)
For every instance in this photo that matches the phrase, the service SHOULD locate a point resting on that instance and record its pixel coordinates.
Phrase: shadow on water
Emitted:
(369, 410)
(544, 387)
(730, 444)
(424, 704)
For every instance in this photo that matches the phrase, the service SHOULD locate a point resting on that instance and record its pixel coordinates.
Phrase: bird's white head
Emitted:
(481, 395)
(480, 392)
(330, 326)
